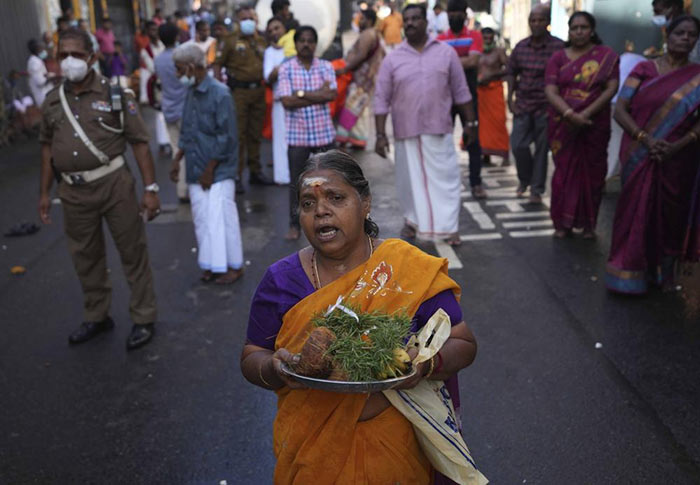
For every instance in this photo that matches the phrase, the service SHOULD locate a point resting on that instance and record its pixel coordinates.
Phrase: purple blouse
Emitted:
(285, 284)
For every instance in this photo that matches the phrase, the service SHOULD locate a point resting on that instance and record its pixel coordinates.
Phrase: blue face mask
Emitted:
(247, 27)
(43, 55)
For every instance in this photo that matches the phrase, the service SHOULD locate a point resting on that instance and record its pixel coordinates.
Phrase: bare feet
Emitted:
(206, 277)
(229, 277)
(478, 192)
(520, 191)
(454, 240)
(562, 233)
(293, 234)
(589, 235)
(408, 232)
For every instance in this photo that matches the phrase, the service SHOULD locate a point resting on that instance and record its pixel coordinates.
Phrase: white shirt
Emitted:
(39, 84)
(273, 58)
(438, 24)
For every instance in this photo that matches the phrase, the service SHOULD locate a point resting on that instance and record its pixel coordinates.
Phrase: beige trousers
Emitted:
(174, 132)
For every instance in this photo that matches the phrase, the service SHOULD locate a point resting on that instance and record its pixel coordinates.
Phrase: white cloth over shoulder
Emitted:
(216, 226)
(39, 83)
(428, 183)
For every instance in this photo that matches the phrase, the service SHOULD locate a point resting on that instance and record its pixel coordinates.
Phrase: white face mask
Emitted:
(74, 69)
(247, 27)
(659, 20)
(187, 80)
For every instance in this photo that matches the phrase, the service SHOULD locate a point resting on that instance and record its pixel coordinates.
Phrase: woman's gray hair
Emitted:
(189, 54)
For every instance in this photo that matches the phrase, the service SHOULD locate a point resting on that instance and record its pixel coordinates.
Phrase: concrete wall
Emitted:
(19, 22)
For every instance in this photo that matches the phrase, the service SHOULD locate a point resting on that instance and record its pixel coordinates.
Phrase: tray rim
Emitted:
(350, 386)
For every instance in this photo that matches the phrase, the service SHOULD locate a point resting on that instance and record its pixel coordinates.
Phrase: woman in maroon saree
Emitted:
(580, 82)
(657, 221)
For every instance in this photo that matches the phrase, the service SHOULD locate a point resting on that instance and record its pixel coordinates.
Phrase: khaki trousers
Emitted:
(174, 132)
(250, 111)
(112, 198)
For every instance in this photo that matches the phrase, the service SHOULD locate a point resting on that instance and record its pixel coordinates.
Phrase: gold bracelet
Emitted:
(432, 368)
(567, 113)
(694, 135)
(260, 372)
(641, 134)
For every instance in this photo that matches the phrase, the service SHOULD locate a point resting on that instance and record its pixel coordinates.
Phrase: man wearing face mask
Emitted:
(242, 56)
(469, 45)
(86, 125)
(208, 139)
(664, 12)
(39, 78)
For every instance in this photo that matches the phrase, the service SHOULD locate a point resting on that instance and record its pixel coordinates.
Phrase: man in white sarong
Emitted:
(419, 82)
(209, 140)
(147, 76)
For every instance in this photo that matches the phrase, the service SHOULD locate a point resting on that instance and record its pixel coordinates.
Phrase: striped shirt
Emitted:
(527, 64)
(310, 126)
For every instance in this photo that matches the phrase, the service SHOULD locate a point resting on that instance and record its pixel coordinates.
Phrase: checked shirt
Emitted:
(310, 126)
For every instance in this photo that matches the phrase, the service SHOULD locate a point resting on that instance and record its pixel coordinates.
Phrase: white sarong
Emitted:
(216, 226)
(280, 162)
(428, 182)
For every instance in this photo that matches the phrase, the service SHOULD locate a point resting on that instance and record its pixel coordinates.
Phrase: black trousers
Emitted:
(297, 160)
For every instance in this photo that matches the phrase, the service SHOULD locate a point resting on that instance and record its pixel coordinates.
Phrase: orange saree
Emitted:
(317, 437)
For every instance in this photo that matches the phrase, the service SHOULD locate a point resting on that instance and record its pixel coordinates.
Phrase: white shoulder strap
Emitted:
(104, 159)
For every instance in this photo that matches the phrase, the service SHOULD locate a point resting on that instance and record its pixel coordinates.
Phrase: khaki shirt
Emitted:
(89, 108)
(243, 57)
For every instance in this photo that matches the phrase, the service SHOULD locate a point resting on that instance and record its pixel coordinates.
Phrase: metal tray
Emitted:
(346, 386)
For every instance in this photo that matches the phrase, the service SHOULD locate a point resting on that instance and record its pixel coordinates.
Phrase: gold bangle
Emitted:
(260, 372)
(694, 135)
(567, 113)
(432, 368)
(641, 134)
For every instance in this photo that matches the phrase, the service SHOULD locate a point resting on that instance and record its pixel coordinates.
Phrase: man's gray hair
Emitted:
(189, 53)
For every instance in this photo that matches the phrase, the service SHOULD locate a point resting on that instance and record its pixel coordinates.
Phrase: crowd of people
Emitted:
(212, 89)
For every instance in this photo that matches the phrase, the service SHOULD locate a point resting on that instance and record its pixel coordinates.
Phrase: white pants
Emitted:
(174, 133)
(161, 129)
(279, 145)
(216, 226)
(428, 183)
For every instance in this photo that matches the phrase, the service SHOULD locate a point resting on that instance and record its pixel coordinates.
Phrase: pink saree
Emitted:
(657, 221)
(580, 155)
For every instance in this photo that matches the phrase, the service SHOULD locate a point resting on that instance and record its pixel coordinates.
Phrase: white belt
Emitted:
(87, 176)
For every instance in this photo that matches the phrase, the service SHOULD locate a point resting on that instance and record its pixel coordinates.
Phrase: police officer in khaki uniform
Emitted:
(242, 56)
(86, 125)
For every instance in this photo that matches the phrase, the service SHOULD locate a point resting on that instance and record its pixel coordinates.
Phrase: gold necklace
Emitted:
(314, 266)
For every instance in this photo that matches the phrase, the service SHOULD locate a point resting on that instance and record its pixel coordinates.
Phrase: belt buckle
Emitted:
(76, 179)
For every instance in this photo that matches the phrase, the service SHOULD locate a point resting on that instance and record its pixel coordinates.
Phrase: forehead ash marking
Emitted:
(314, 181)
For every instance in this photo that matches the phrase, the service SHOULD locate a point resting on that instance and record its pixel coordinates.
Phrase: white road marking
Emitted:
(528, 224)
(511, 205)
(521, 215)
(540, 233)
(478, 214)
(446, 251)
(481, 237)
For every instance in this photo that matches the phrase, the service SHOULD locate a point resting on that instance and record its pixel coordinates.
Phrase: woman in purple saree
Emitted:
(580, 82)
(657, 221)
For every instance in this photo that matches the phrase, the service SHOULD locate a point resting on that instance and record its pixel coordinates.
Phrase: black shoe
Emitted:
(259, 179)
(140, 335)
(88, 330)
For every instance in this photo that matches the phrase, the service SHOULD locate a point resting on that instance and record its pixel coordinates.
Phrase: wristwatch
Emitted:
(152, 188)
(300, 93)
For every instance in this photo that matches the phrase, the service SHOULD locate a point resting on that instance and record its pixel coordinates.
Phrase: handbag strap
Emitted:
(104, 159)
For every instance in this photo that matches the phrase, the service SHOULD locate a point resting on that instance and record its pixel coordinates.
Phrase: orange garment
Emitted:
(493, 134)
(343, 82)
(317, 438)
(391, 27)
(183, 25)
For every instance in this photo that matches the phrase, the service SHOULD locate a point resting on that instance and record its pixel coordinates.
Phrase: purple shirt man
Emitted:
(419, 83)
(419, 89)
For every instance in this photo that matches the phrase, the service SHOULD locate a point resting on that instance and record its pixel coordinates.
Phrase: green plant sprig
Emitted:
(365, 359)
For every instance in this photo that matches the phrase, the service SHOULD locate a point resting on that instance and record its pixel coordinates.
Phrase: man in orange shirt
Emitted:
(390, 28)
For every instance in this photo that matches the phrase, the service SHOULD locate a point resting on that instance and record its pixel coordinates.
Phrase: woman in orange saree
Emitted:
(335, 438)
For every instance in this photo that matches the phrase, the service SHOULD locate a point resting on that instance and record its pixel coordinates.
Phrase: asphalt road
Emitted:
(543, 403)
